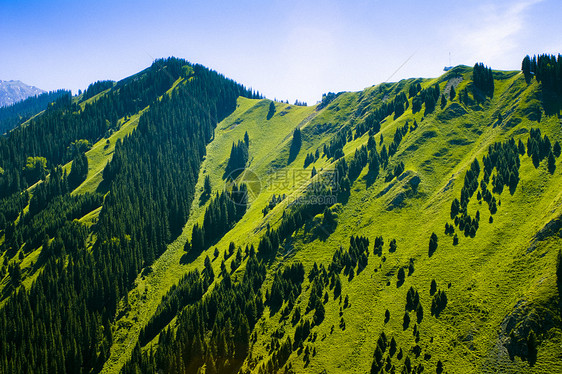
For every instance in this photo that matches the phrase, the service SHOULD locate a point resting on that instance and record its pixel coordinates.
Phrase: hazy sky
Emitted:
(285, 49)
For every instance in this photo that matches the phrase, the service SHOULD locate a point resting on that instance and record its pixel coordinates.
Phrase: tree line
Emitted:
(63, 323)
(17, 113)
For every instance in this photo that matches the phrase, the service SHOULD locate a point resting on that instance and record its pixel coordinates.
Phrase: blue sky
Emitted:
(285, 49)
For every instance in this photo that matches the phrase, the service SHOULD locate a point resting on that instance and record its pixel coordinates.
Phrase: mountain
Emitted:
(13, 91)
(19, 112)
(176, 221)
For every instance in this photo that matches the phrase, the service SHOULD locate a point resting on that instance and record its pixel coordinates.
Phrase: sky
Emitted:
(287, 50)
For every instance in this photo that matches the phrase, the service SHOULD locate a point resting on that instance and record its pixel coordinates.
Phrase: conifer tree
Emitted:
(271, 110)
(296, 144)
(432, 244)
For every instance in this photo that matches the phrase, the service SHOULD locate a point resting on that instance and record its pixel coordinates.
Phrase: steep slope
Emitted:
(20, 111)
(410, 226)
(497, 288)
(77, 271)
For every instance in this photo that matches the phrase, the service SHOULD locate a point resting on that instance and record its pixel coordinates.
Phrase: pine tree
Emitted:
(526, 68)
(556, 149)
(551, 163)
(207, 188)
(532, 347)
(443, 101)
(14, 271)
(401, 275)
(406, 320)
(328, 220)
(295, 145)
(393, 246)
(432, 244)
(433, 287)
(271, 110)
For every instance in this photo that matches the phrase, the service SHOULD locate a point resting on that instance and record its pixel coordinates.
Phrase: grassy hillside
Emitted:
(503, 272)
(499, 280)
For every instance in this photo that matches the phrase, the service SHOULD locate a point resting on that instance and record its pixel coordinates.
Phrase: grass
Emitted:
(485, 277)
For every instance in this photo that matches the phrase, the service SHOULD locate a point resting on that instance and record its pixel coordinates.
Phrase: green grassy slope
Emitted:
(503, 272)
(487, 278)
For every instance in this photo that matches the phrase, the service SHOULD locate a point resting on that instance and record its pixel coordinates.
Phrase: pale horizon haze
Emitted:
(287, 50)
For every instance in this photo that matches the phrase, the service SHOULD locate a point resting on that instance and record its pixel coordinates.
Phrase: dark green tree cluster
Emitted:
(286, 286)
(470, 184)
(213, 332)
(464, 221)
(370, 124)
(452, 93)
(400, 104)
(327, 98)
(62, 324)
(438, 303)
(35, 228)
(319, 279)
(379, 243)
(96, 88)
(381, 160)
(358, 162)
(43, 193)
(275, 199)
(310, 158)
(151, 183)
(296, 144)
(413, 304)
(449, 229)
(392, 246)
(467, 224)
(397, 105)
(334, 149)
(378, 364)
(547, 69)
(302, 331)
(78, 170)
(49, 134)
(376, 160)
(433, 242)
(504, 158)
(207, 188)
(539, 148)
(414, 89)
(271, 110)
(14, 272)
(299, 214)
(223, 212)
(443, 101)
(269, 244)
(429, 97)
(17, 113)
(11, 207)
(412, 299)
(190, 289)
(355, 257)
(237, 160)
(483, 80)
(398, 136)
(559, 271)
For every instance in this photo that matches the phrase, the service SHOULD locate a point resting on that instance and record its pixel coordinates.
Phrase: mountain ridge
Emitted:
(13, 91)
(402, 153)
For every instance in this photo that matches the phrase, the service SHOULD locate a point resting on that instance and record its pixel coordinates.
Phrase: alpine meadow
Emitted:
(177, 221)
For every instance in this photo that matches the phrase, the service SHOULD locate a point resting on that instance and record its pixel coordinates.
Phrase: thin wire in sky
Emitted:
(400, 67)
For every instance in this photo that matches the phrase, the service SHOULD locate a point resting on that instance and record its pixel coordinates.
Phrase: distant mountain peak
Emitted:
(13, 91)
